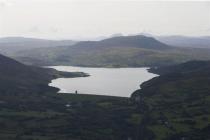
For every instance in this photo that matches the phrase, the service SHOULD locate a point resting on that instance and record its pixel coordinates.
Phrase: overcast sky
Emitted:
(75, 19)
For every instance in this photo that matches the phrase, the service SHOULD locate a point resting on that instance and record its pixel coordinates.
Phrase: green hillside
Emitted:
(176, 104)
(123, 51)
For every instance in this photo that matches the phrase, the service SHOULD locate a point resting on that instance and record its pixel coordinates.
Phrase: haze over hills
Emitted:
(11, 45)
(171, 40)
(138, 41)
(178, 40)
(120, 51)
(185, 41)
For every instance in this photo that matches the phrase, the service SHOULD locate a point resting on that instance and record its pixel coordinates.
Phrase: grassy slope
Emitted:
(177, 103)
(47, 117)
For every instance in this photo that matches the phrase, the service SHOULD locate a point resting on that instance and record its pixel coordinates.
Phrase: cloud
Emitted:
(54, 30)
(34, 29)
(6, 3)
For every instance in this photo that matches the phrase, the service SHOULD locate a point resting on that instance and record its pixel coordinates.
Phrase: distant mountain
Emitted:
(184, 41)
(138, 41)
(115, 35)
(11, 45)
(19, 78)
(176, 103)
(120, 51)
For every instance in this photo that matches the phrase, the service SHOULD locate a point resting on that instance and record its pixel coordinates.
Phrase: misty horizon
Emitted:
(91, 19)
(98, 38)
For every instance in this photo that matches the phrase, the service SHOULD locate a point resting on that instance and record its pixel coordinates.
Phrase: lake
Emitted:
(102, 81)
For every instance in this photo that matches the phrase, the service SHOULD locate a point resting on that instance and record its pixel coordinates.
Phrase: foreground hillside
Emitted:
(173, 106)
(122, 51)
(176, 104)
(31, 110)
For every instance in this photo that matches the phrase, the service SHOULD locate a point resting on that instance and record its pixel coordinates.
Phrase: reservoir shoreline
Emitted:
(121, 82)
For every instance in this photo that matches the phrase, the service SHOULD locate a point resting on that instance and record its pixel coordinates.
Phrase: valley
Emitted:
(171, 106)
(104, 70)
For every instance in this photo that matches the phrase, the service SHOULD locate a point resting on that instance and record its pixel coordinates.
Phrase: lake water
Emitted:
(102, 81)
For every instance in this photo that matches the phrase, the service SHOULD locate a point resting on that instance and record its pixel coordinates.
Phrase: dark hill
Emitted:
(139, 41)
(192, 66)
(19, 78)
(178, 101)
